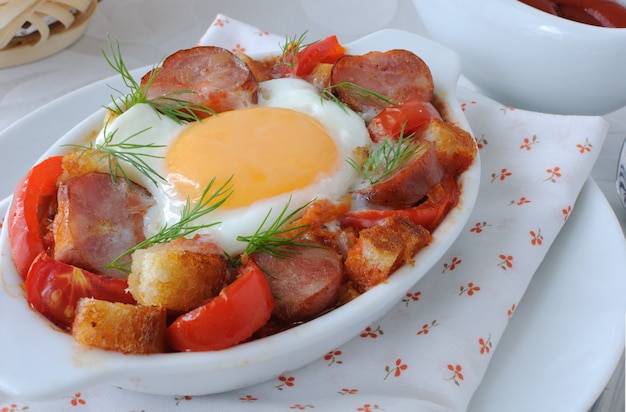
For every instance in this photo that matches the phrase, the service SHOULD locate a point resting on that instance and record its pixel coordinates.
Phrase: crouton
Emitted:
(119, 326)
(456, 148)
(381, 249)
(179, 275)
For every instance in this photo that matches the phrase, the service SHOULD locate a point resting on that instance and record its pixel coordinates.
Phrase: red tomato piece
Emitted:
(429, 214)
(30, 212)
(327, 50)
(410, 115)
(53, 288)
(231, 317)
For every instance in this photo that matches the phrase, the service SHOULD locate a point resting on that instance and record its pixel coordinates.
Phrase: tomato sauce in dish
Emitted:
(603, 13)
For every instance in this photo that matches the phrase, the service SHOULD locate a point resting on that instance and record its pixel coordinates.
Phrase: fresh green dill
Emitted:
(388, 156)
(208, 202)
(378, 99)
(279, 239)
(290, 49)
(168, 104)
(124, 151)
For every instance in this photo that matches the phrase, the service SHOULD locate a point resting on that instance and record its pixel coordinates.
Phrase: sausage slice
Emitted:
(409, 184)
(398, 75)
(304, 284)
(216, 77)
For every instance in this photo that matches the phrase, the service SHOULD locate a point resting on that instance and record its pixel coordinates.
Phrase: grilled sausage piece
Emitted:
(398, 75)
(211, 76)
(409, 184)
(304, 284)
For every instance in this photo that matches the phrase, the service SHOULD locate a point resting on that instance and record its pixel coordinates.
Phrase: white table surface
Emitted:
(149, 30)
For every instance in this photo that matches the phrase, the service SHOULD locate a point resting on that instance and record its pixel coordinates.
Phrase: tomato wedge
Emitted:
(233, 316)
(327, 50)
(429, 214)
(30, 211)
(53, 288)
(407, 117)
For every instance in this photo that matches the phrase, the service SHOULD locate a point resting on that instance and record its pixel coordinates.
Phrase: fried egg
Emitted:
(290, 148)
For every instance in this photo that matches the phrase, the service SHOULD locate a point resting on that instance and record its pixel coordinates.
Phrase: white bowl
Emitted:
(39, 362)
(530, 59)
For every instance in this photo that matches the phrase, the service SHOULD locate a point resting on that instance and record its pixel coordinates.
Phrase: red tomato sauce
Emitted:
(603, 13)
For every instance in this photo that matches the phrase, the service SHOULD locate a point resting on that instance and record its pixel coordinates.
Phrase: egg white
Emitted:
(345, 127)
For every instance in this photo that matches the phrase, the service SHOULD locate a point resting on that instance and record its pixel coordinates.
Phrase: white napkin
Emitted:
(431, 351)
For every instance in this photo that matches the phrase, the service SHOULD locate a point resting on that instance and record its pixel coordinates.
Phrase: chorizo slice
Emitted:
(407, 185)
(98, 219)
(215, 77)
(305, 284)
(398, 75)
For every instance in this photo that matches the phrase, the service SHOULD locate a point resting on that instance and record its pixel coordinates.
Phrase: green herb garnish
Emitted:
(207, 203)
(179, 110)
(278, 239)
(116, 153)
(388, 156)
(355, 90)
(290, 50)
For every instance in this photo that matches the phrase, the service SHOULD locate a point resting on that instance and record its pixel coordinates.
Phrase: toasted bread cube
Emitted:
(381, 249)
(456, 148)
(120, 326)
(179, 275)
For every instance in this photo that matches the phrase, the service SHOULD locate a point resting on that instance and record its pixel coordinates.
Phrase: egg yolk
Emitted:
(267, 151)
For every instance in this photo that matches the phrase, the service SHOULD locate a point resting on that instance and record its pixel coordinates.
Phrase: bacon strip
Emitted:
(98, 219)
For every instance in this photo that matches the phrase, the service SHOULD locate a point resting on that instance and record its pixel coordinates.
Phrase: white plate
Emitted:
(567, 335)
(70, 367)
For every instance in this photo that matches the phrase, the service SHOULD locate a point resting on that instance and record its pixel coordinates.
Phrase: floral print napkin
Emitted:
(430, 352)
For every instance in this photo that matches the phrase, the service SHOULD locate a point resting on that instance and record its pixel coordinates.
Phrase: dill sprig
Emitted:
(388, 156)
(168, 104)
(207, 203)
(279, 239)
(291, 48)
(124, 151)
(355, 90)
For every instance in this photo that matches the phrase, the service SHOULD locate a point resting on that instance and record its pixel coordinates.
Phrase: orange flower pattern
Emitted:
(285, 382)
(478, 227)
(372, 333)
(426, 327)
(584, 147)
(452, 264)
(522, 201)
(333, 357)
(536, 238)
(485, 345)
(469, 289)
(457, 375)
(411, 297)
(397, 369)
(501, 176)
(529, 142)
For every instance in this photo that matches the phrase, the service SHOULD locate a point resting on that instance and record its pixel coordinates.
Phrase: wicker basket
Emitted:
(34, 29)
